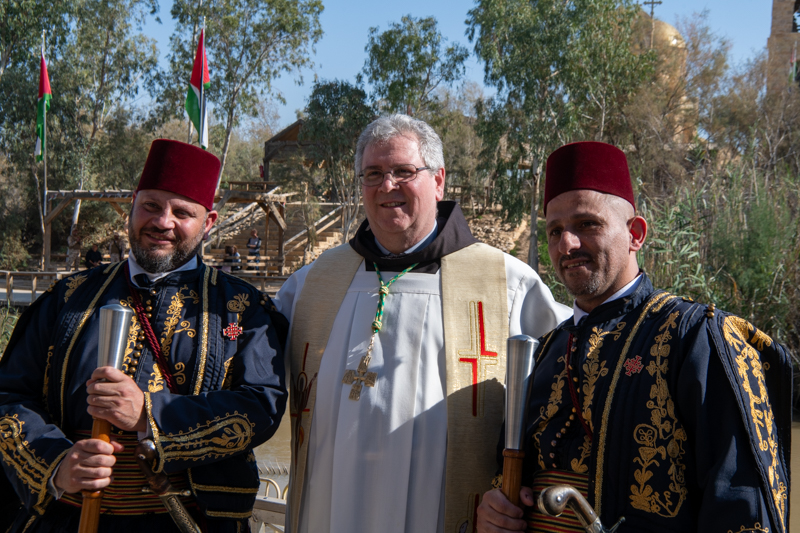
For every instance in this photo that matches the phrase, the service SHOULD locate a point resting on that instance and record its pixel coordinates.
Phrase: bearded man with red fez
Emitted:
(205, 383)
(670, 413)
(398, 352)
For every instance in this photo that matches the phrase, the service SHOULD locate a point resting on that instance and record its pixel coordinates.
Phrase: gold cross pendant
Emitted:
(357, 377)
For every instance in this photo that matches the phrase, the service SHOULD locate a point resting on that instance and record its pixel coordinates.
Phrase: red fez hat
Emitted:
(183, 169)
(588, 165)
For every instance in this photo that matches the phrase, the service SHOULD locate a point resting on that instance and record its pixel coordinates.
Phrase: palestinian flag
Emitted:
(195, 98)
(42, 106)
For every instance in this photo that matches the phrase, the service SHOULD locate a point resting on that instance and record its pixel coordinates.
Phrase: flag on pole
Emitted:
(195, 99)
(42, 106)
(793, 67)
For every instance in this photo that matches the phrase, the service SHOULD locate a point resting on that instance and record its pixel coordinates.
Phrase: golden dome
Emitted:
(667, 35)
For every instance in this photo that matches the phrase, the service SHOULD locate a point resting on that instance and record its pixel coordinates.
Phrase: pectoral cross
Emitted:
(357, 377)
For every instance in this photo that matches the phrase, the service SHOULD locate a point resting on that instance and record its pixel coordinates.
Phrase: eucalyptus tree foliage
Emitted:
(408, 62)
(249, 44)
(95, 68)
(336, 114)
(21, 25)
(561, 68)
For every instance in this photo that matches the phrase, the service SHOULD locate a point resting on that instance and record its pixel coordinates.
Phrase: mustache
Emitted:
(572, 257)
(167, 234)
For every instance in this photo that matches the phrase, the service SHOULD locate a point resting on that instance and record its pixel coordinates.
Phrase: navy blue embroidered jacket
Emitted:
(687, 412)
(231, 387)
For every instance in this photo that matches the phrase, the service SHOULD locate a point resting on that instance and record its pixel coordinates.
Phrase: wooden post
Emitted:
(34, 277)
(9, 287)
(281, 239)
(48, 229)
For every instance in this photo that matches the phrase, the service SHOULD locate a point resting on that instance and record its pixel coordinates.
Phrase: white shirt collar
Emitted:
(135, 269)
(578, 313)
(418, 246)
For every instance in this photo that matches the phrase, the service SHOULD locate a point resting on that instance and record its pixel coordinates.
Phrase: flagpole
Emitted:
(201, 132)
(44, 145)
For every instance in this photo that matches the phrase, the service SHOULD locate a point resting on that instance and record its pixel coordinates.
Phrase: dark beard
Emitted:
(155, 263)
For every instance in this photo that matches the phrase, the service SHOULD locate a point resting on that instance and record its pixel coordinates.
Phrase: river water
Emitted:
(274, 458)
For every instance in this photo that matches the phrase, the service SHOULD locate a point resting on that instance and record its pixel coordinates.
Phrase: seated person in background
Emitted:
(93, 257)
(253, 248)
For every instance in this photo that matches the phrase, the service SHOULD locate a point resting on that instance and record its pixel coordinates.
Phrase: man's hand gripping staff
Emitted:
(92, 456)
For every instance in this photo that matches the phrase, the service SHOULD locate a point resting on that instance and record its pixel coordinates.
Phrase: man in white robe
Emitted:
(378, 463)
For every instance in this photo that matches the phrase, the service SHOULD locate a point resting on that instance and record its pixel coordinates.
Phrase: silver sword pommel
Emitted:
(555, 499)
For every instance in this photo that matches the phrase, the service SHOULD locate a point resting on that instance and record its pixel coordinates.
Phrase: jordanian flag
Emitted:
(195, 98)
(42, 106)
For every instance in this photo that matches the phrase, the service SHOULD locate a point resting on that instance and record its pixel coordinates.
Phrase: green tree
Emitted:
(21, 25)
(336, 114)
(94, 72)
(549, 61)
(249, 44)
(407, 63)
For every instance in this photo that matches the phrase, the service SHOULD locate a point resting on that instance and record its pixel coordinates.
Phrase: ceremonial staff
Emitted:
(115, 321)
(519, 377)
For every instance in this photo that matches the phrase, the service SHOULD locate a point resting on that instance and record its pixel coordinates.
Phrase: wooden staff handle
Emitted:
(90, 510)
(512, 474)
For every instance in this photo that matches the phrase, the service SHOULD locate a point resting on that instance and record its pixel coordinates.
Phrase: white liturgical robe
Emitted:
(378, 464)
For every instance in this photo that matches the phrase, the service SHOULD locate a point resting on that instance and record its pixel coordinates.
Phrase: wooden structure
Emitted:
(283, 145)
(262, 193)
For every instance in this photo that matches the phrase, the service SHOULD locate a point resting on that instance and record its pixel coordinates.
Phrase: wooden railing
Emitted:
(27, 285)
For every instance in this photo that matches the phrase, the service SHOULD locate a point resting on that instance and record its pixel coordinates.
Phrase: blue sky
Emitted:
(340, 53)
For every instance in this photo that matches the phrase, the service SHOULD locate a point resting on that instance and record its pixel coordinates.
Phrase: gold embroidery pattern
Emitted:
(174, 319)
(655, 304)
(156, 381)
(180, 377)
(228, 379)
(33, 471)
(221, 437)
(73, 283)
(556, 396)
(84, 318)
(133, 334)
(239, 303)
(748, 363)
(757, 528)
(201, 361)
(663, 438)
(46, 380)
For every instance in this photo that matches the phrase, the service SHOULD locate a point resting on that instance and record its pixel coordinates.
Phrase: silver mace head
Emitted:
(519, 375)
(115, 322)
(555, 499)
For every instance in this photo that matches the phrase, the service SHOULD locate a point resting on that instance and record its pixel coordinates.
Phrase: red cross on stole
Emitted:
(478, 356)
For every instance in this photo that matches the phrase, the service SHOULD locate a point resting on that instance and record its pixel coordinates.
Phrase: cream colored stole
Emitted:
(475, 316)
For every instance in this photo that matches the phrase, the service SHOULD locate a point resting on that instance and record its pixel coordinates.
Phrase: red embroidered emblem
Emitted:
(633, 366)
(232, 331)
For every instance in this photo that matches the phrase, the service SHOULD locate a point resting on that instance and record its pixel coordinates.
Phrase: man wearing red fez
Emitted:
(669, 414)
(202, 376)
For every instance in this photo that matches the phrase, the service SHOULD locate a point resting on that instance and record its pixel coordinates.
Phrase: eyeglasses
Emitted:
(400, 174)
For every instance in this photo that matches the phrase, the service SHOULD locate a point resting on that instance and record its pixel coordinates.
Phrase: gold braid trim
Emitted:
(219, 488)
(77, 333)
(201, 363)
(148, 406)
(223, 514)
(33, 471)
(220, 437)
(655, 304)
(748, 366)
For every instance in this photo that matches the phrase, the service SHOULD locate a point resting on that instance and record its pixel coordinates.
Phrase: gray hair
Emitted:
(387, 127)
